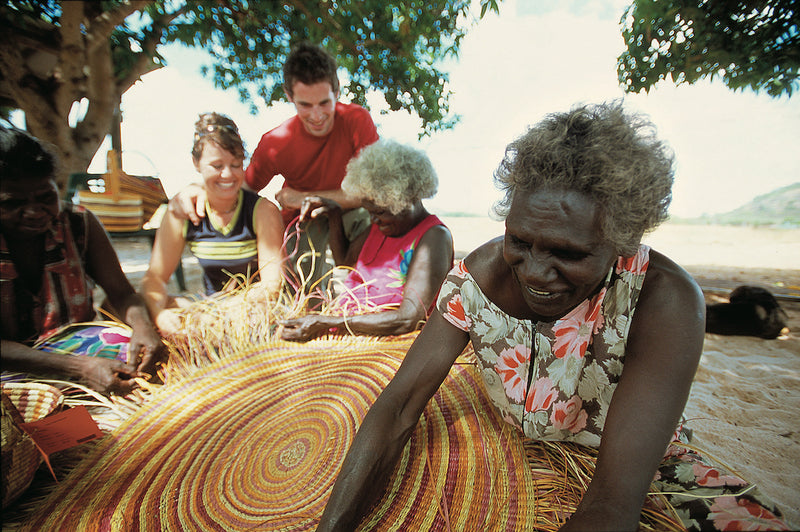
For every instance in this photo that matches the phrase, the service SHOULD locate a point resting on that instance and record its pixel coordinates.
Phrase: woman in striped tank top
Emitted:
(237, 242)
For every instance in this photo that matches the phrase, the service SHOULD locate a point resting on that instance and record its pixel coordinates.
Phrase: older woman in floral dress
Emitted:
(582, 333)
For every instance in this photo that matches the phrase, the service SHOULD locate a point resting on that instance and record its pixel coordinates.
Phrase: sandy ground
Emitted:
(745, 401)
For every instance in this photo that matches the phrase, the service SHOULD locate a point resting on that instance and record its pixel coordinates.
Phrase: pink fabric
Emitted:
(379, 277)
(306, 162)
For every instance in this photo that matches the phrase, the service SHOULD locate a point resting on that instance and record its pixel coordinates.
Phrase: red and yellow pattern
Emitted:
(255, 441)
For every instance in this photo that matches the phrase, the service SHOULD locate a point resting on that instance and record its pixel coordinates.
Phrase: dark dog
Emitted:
(752, 311)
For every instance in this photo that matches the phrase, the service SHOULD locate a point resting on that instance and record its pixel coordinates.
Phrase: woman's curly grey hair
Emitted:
(599, 150)
(391, 175)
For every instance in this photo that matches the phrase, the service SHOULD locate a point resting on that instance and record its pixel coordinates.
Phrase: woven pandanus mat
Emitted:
(255, 441)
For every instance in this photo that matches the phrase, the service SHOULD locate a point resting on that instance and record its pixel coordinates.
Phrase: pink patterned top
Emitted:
(553, 381)
(379, 277)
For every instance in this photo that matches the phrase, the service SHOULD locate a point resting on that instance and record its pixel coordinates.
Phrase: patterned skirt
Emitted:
(707, 496)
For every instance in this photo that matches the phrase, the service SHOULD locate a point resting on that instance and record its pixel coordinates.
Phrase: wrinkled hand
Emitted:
(305, 328)
(107, 375)
(146, 342)
(289, 198)
(189, 203)
(314, 206)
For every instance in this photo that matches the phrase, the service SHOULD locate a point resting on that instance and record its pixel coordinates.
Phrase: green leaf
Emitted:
(752, 43)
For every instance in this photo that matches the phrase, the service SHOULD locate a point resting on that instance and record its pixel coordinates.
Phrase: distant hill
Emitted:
(781, 208)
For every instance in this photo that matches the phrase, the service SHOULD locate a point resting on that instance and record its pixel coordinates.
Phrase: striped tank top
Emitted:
(226, 251)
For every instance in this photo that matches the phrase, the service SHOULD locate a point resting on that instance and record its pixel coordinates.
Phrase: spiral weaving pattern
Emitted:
(255, 441)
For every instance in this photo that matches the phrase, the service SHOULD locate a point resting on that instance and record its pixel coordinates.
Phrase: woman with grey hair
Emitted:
(582, 333)
(399, 263)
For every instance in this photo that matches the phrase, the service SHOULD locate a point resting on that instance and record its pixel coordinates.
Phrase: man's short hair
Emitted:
(309, 63)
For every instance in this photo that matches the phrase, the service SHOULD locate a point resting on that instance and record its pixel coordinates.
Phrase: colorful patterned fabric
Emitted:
(104, 339)
(65, 295)
(98, 339)
(379, 277)
(255, 441)
(706, 496)
(226, 251)
(554, 382)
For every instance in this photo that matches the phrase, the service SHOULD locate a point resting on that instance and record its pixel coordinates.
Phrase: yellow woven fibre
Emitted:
(255, 440)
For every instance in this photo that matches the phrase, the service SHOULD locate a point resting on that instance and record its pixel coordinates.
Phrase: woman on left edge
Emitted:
(50, 255)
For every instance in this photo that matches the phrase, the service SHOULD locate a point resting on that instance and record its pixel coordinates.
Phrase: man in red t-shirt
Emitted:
(311, 151)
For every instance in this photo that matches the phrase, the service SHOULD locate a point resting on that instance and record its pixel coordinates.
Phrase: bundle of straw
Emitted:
(562, 471)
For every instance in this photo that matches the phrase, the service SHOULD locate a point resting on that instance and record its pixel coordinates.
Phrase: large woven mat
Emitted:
(255, 441)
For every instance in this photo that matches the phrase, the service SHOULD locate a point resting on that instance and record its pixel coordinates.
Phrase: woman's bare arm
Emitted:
(269, 239)
(164, 258)
(432, 260)
(663, 350)
(102, 265)
(390, 422)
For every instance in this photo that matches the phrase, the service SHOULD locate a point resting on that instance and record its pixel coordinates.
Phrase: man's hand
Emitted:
(289, 198)
(314, 206)
(189, 203)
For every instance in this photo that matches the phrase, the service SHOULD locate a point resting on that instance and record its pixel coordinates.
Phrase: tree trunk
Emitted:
(49, 70)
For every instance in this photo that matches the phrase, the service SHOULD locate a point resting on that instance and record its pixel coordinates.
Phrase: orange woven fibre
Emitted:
(22, 403)
(255, 441)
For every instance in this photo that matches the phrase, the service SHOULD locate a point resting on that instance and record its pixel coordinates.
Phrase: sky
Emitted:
(536, 57)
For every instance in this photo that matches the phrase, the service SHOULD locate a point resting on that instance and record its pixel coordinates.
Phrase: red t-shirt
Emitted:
(306, 162)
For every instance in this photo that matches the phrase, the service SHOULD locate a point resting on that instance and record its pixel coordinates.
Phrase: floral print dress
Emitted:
(555, 380)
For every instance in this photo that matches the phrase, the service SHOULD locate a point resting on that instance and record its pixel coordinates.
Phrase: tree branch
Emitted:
(101, 27)
(144, 61)
(69, 74)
